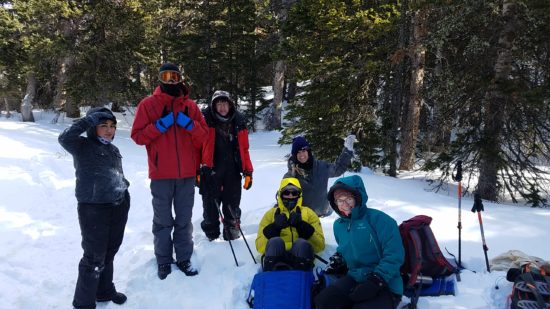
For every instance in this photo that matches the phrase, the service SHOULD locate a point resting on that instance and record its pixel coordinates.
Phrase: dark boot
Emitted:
(164, 270)
(118, 298)
(187, 268)
(230, 233)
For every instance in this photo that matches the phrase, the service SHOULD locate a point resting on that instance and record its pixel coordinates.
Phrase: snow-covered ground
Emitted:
(40, 237)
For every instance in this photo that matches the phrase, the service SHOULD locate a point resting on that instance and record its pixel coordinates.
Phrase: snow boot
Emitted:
(187, 268)
(164, 270)
(118, 298)
(230, 233)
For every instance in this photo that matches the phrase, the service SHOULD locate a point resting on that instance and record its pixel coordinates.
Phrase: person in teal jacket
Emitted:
(369, 253)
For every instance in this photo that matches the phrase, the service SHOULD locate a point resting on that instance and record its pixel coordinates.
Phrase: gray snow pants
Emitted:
(173, 232)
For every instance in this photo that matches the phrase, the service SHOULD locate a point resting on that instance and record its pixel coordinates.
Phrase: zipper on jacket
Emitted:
(373, 241)
(176, 139)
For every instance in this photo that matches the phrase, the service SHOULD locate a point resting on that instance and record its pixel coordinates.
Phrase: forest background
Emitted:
(423, 84)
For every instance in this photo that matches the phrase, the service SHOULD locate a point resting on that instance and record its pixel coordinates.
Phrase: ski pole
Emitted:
(230, 244)
(321, 259)
(478, 206)
(244, 238)
(458, 177)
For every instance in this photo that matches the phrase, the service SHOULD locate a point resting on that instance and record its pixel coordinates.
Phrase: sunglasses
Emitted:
(293, 193)
(170, 77)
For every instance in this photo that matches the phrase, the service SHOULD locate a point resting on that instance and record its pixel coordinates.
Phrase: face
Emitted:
(302, 156)
(290, 197)
(345, 203)
(106, 130)
(222, 107)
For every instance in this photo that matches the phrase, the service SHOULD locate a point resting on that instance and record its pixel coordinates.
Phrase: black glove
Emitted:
(336, 265)
(478, 203)
(304, 229)
(295, 218)
(274, 229)
(368, 289)
(207, 180)
(97, 117)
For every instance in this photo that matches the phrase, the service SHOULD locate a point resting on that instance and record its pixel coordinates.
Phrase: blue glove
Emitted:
(165, 122)
(97, 117)
(184, 121)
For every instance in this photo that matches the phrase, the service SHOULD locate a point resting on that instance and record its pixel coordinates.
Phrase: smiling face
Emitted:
(106, 130)
(345, 201)
(222, 107)
(302, 156)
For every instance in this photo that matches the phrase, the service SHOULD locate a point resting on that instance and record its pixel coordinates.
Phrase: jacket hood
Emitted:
(91, 131)
(355, 185)
(285, 182)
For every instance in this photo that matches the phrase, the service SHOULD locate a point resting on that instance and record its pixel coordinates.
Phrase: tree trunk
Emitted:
(418, 57)
(26, 103)
(6, 103)
(60, 101)
(495, 102)
(278, 89)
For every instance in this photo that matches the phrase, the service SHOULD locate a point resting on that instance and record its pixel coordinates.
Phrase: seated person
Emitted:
(370, 245)
(289, 234)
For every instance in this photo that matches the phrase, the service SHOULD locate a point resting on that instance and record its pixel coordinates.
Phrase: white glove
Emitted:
(348, 142)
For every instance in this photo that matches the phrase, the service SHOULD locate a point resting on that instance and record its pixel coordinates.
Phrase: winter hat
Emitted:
(299, 143)
(219, 94)
(91, 132)
(169, 67)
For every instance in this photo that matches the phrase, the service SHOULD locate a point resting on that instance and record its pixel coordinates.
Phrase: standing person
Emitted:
(369, 253)
(225, 157)
(314, 174)
(289, 234)
(103, 204)
(172, 128)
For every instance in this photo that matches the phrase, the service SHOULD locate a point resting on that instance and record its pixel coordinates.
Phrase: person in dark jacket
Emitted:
(172, 128)
(103, 204)
(314, 174)
(289, 234)
(369, 253)
(225, 158)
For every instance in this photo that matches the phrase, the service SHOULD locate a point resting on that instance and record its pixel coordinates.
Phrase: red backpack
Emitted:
(422, 254)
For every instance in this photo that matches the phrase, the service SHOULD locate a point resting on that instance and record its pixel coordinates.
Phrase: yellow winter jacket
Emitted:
(289, 234)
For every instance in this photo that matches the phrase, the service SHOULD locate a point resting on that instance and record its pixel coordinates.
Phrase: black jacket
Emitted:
(98, 167)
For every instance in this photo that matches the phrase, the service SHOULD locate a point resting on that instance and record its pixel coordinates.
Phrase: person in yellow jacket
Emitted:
(290, 233)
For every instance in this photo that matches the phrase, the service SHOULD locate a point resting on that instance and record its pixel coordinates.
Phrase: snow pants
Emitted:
(102, 228)
(224, 190)
(336, 296)
(299, 257)
(173, 233)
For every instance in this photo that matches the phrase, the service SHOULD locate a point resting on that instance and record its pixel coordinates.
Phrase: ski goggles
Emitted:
(290, 193)
(170, 77)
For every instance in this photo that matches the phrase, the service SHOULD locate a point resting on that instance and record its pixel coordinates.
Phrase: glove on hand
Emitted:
(247, 180)
(207, 180)
(198, 179)
(478, 203)
(304, 229)
(97, 117)
(165, 122)
(336, 265)
(295, 218)
(274, 229)
(369, 289)
(184, 121)
(348, 142)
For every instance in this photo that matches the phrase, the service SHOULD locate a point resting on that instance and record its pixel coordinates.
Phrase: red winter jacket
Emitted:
(176, 153)
(242, 141)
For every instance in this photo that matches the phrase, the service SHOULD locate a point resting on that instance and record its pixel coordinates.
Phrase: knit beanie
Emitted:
(299, 143)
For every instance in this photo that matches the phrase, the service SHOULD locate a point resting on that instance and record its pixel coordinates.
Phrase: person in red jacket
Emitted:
(225, 157)
(172, 128)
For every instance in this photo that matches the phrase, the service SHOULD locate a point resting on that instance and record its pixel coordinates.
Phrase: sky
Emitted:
(40, 236)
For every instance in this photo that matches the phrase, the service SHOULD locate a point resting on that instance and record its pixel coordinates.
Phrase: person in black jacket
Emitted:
(103, 204)
(225, 157)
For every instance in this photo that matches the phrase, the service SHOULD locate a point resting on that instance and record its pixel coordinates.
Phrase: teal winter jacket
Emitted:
(368, 239)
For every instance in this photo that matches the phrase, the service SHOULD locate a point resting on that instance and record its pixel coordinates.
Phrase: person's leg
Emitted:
(183, 228)
(231, 199)
(94, 221)
(383, 300)
(274, 253)
(301, 255)
(336, 295)
(106, 289)
(211, 218)
(162, 191)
